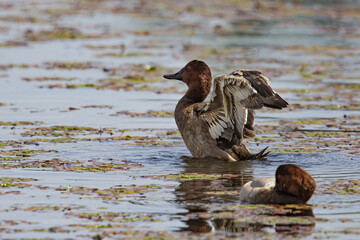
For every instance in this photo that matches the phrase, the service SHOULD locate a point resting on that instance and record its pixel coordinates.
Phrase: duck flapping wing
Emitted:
(233, 95)
(262, 86)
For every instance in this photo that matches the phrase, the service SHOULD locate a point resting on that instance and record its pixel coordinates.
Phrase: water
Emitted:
(75, 190)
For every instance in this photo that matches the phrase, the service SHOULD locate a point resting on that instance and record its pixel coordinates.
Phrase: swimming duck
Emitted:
(216, 129)
(291, 185)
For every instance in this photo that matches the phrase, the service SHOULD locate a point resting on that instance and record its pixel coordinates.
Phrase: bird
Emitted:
(216, 129)
(291, 185)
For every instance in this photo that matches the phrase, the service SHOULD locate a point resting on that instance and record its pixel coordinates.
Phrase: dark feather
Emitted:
(259, 83)
(249, 130)
(275, 101)
(255, 101)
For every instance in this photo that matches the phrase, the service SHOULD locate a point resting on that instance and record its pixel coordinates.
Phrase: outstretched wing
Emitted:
(226, 113)
(262, 86)
(232, 97)
(214, 113)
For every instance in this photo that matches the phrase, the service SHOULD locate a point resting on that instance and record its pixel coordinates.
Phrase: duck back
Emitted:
(262, 191)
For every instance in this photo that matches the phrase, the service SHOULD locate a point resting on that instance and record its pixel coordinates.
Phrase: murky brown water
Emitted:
(79, 166)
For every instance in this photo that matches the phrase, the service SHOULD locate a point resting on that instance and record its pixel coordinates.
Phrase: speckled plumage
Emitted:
(197, 138)
(216, 129)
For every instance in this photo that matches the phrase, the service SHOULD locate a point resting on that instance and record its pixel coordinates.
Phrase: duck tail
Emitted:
(243, 153)
(260, 155)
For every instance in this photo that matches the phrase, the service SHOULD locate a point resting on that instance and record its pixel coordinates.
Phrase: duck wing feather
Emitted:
(226, 113)
(262, 85)
(234, 97)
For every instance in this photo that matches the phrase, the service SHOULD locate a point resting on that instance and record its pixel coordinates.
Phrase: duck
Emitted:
(291, 185)
(216, 129)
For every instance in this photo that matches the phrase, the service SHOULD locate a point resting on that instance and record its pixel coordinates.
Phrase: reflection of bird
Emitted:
(291, 184)
(229, 176)
(216, 129)
(197, 193)
(197, 226)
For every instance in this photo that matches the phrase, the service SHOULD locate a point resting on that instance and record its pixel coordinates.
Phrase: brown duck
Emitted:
(216, 129)
(291, 184)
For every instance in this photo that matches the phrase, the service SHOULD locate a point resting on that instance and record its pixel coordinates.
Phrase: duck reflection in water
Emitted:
(213, 177)
(199, 195)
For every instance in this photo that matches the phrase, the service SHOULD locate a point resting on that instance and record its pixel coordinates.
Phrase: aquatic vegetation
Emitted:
(343, 187)
(98, 106)
(43, 79)
(24, 152)
(63, 131)
(73, 151)
(117, 193)
(56, 164)
(20, 123)
(9, 182)
(186, 177)
(149, 113)
(57, 33)
(116, 54)
(101, 47)
(71, 65)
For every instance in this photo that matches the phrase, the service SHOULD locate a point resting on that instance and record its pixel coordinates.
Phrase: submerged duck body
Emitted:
(291, 185)
(216, 129)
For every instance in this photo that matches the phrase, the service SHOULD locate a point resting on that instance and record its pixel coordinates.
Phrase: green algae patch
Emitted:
(350, 106)
(56, 164)
(310, 135)
(44, 79)
(104, 47)
(9, 159)
(57, 33)
(190, 176)
(117, 193)
(55, 229)
(128, 139)
(57, 131)
(8, 182)
(98, 106)
(20, 123)
(124, 55)
(84, 85)
(49, 208)
(24, 152)
(21, 19)
(314, 121)
(13, 179)
(151, 113)
(71, 65)
(245, 206)
(295, 150)
(117, 217)
(71, 134)
(106, 167)
(286, 217)
(342, 187)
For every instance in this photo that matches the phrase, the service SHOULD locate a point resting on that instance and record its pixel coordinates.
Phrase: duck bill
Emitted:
(177, 76)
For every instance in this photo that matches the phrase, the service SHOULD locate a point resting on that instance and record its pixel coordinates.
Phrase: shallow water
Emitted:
(109, 174)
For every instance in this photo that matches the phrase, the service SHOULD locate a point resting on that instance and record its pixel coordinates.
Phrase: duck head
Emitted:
(294, 180)
(197, 76)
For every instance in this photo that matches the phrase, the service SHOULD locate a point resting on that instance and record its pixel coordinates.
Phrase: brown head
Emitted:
(294, 180)
(197, 76)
